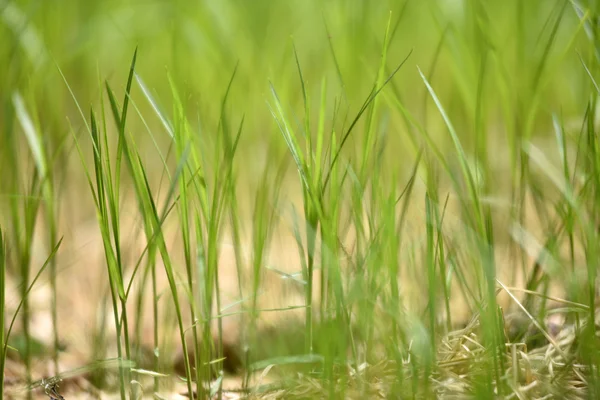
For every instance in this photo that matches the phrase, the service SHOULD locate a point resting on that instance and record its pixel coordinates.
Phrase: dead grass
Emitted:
(551, 370)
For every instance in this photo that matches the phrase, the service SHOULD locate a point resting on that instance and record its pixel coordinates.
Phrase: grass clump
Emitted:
(412, 213)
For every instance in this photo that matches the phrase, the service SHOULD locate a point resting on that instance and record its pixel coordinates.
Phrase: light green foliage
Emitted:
(426, 157)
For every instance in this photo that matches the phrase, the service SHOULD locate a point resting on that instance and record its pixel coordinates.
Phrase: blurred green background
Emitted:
(526, 67)
(502, 70)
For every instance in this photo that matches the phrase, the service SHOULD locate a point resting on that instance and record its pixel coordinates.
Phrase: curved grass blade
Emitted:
(10, 326)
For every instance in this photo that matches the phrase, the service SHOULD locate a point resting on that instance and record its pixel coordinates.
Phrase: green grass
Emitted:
(435, 165)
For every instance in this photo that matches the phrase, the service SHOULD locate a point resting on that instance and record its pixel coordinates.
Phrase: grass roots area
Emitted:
(299, 199)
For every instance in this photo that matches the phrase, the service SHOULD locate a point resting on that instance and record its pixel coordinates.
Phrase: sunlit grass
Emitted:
(435, 163)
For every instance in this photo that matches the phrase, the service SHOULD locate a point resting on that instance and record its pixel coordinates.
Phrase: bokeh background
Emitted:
(506, 72)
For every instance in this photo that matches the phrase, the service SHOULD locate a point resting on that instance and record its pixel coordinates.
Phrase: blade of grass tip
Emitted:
(302, 83)
(364, 107)
(114, 186)
(31, 134)
(368, 144)
(462, 157)
(81, 113)
(307, 125)
(101, 184)
(398, 21)
(116, 113)
(128, 92)
(154, 104)
(234, 146)
(288, 135)
(120, 120)
(335, 60)
(333, 145)
(85, 168)
(163, 159)
(318, 162)
(104, 155)
(181, 135)
(543, 60)
(305, 100)
(416, 127)
(432, 67)
(589, 73)
(222, 118)
(146, 372)
(588, 26)
(292, 144)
